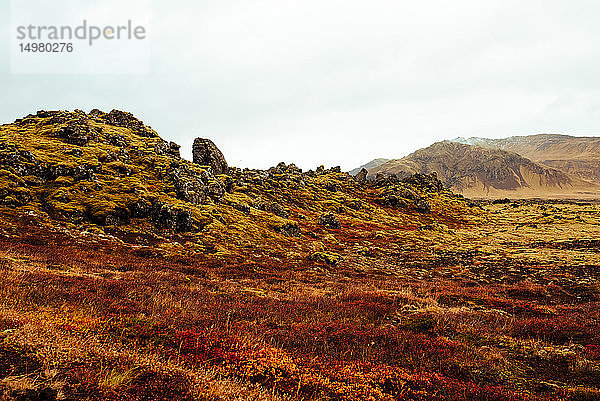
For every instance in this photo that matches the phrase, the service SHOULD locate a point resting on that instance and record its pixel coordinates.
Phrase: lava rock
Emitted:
(206, 153)
(122, 119)
(361, 177)
(172, 218)
(329, 220)
(75, 152)
(290, 229)
(278, 210)
(169, 149)
(189, 185)
(422, 206)
(76, 132)
(428, 182)
(118, 140)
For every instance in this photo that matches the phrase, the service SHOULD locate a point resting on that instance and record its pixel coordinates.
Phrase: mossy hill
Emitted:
(108, 174)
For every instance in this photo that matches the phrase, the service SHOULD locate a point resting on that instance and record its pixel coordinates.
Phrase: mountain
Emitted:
(578, 156)
(478, 171)
(372, 164)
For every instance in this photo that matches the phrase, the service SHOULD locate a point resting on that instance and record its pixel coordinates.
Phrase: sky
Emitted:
(341, 82)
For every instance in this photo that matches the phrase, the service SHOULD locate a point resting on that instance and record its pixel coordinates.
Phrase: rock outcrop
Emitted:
(206, 153)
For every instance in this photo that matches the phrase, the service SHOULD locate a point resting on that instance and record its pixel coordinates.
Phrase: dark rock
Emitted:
(47, 114)
(189, 185)
(241, 207)
(117, 140)
(75, 152)
(173, 149)
(427, 182)
(214, 188)
(206, 153)
(228, 184)
(194, 187)
(400, 196)
(290, 229)
(293, 169)
(76, 132)
(278, 210)
(259, 204)
(329, 220)
(384, 180)
(21, 162)
(55, 171)
(95, 113)
(361, 177)
(117, 217)
(84, 172)
(331, 186)
(500, 201)
(172, 218)
(122, 155)
(122, 119)
(141, 209)
(422, 206)
(169, 149)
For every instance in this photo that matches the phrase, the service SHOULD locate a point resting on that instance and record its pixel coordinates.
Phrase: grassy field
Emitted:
(502, 309)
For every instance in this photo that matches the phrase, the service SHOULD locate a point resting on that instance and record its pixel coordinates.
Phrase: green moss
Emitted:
(64, 181)
(330, 258)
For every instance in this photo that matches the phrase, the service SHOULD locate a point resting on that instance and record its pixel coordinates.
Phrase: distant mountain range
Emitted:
(545, 166)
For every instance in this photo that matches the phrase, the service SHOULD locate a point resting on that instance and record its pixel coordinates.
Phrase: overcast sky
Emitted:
(342, 82)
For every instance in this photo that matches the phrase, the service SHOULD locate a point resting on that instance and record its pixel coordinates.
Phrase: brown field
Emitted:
(504, 308)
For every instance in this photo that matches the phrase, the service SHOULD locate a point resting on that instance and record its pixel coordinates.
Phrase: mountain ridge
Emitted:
(578, 156)
(478, 171)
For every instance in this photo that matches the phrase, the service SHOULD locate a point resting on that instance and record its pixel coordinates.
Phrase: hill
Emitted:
(577, 156)
(110, 170)
(367, 166)
(477, 171)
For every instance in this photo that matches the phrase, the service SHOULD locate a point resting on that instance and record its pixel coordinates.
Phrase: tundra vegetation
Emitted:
(129, 273)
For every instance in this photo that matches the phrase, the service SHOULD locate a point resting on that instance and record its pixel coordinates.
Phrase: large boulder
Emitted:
(206, 153)
(361, 177)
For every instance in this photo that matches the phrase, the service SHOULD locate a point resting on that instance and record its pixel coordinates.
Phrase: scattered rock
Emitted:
(278, 210)
(332, 186)
(96, 113)
(76, 132)
(172, 218)
(289, 229)
(169, 149)
(427, 182)
(422, 206)
(75, 152)
(329, 220)
(400, 196)
(117, 140)
(122, 119)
